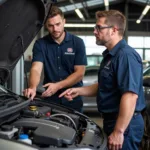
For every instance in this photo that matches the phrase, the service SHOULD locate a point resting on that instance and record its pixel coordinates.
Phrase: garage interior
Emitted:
(137, 35)
(132, 9)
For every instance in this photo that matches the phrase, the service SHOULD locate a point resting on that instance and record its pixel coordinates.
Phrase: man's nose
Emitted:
(55, 28)
(95, 31)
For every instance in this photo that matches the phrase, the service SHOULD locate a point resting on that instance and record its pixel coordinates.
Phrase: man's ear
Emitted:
(114, 30)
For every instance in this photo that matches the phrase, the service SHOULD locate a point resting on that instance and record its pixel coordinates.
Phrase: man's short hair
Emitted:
(55, 11)
(113, 18)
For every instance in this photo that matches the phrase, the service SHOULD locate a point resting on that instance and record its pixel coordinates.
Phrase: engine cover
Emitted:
(48, 132)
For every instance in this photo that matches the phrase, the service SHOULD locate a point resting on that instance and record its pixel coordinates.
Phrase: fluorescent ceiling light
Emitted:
(70, 25)
(79, 14)
(106, 2)
(138, 21)
(146, 9)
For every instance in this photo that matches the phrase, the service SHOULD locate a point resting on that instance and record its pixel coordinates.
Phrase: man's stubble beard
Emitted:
(98, 42)
(61, 33)
(102, 42)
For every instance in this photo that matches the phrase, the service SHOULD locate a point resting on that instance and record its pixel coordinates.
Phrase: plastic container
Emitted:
(24, 138)
(8, 133)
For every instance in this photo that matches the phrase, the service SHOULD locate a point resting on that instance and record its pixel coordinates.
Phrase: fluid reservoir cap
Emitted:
(23, 136)
(48, 114)
(6, 128)
(33, 108)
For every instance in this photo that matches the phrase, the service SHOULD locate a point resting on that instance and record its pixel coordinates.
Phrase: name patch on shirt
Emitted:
(107, 66)
(69, 51)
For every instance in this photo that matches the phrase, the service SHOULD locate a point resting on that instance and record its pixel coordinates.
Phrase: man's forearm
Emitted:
(126, 111)
(70, 80)
(34, 79)
(89, 91)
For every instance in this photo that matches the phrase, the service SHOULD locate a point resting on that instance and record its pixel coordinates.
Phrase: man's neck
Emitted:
(113, 42)
(59, 40)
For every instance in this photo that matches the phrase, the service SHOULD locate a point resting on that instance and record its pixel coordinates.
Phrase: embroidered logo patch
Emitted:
(69, 50)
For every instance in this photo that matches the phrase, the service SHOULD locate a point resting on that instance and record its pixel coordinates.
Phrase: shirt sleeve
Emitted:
(37, 52)
(80, 57)
(129, 73)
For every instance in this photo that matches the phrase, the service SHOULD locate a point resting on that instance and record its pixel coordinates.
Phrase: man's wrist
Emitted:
(119, 130)
(32, 87)
(59, 84)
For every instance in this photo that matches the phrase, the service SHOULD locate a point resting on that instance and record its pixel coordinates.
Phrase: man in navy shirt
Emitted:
(63, 58)
(119, 90)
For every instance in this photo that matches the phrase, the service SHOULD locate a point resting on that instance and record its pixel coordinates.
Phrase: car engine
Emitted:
(47, 125)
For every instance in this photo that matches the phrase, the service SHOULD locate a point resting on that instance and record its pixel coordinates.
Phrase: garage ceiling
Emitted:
(131, 8)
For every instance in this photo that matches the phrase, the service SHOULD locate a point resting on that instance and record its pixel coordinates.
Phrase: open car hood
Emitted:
(20, 21)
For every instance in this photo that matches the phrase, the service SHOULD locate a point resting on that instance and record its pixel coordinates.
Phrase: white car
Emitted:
(90, 77)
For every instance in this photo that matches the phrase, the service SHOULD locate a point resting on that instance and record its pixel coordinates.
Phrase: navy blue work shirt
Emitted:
(120, 71)
(59, 61)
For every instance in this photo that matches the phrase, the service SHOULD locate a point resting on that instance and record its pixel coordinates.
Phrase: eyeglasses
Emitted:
(99, 27)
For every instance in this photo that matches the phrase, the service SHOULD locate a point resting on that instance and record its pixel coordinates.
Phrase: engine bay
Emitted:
(47, 125)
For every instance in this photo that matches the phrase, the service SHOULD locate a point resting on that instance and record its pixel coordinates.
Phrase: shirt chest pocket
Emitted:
(68, 59)
(106, 79)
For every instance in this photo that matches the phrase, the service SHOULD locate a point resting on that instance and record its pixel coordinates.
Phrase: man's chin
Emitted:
(56, 36)
(99, 43)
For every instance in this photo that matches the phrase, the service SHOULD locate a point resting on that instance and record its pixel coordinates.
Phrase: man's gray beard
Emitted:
(100, 43)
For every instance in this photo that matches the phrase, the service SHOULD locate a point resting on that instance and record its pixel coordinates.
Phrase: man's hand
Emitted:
(52, 88)
(29, 93)
(70, 93)
(115, 140)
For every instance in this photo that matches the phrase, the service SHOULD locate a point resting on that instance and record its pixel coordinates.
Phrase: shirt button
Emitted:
(59, 68)
(60, 78)
(58, 57)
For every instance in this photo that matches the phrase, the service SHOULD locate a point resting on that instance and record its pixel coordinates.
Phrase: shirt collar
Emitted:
(114, 50)
(67, 36)
(105, 52)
